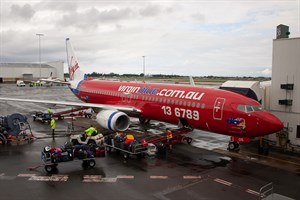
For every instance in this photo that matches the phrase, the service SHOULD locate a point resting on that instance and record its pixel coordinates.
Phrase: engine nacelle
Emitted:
(113, 120)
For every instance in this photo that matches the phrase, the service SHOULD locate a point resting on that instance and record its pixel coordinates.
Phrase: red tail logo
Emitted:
(73, 68)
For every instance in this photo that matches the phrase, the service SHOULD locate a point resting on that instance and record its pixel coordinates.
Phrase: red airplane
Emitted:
(207, 109)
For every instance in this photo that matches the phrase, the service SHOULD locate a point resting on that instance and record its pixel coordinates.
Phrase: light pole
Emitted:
(39, 35)
(143, 68)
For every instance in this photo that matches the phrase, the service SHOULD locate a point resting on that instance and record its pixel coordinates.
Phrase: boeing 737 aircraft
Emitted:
(207, 109)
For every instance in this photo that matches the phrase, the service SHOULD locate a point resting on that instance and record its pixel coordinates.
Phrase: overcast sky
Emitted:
(198, 38)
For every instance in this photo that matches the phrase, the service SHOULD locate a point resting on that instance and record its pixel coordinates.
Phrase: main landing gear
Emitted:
(144, 121)
(233, 146)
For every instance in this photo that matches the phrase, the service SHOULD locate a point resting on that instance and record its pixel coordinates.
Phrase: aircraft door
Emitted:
(218, 108)
(126, 97)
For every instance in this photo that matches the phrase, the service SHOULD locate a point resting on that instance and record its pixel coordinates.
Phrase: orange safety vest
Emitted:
(169, 135)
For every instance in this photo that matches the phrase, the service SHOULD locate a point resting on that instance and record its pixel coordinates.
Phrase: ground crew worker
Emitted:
(53, 126)
(91, 131)
(49, 110)
(169, 138)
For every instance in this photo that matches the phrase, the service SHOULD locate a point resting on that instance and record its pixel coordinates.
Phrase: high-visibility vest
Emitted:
(53, 124)
(169, 135)
(90, 131)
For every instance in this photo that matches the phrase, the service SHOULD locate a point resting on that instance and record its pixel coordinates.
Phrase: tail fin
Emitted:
(76, 75)
(50, 77)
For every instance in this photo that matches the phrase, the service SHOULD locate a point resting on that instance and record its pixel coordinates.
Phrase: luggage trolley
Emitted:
(53, 156)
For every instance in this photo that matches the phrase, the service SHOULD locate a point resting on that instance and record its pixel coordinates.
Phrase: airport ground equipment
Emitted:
(20, 83)
(127, 145)
(43, 117)
(178, 137)
(146, 145)
(74, 112)
(81, 139)
(52, 156)
(15, 128)
(61, 114)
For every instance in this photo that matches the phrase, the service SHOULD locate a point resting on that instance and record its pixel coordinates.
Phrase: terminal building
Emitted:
(284, 99)
(11, 72)
(281, 95)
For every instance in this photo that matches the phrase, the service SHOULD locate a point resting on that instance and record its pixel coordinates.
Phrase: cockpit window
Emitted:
(248, 108)
(257, 108)
(242, 108)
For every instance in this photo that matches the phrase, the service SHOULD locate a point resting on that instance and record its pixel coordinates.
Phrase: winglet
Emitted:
(192, 81)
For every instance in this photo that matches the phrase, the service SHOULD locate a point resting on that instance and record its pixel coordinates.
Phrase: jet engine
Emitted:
(113, 120)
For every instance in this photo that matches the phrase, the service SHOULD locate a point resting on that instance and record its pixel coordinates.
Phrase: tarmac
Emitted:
(202, 170)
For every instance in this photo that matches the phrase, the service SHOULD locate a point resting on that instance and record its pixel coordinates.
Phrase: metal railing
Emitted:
(266, 191)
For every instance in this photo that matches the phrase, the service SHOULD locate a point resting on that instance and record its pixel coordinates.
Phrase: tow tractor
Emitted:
(96, 139)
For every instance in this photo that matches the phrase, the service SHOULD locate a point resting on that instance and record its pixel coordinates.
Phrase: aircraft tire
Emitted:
(189, 140)
(231, 146)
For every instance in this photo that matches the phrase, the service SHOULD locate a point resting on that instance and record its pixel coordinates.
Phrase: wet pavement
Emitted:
(203, 170)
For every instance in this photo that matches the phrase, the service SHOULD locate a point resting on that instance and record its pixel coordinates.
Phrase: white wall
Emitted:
(286, 69)
(59, 66)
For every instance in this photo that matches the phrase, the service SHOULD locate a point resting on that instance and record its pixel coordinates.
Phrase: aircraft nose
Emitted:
(271, 123)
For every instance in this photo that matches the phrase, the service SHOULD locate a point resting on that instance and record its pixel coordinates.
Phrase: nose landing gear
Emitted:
(233, 146)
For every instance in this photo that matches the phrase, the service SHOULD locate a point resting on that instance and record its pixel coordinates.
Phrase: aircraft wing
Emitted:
(78, 104)
(55, 81)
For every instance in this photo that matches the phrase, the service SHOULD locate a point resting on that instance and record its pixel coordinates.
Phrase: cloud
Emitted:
(150, 11)
(186, 38)
(24, 13)
(266, 72)
(92, 17)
